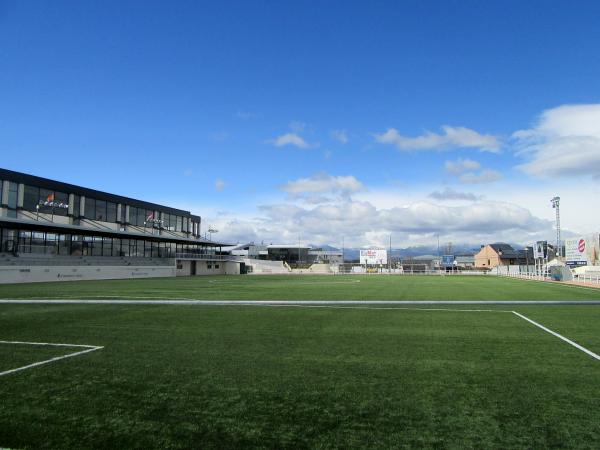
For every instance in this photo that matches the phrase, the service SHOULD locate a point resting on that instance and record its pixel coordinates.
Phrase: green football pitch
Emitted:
(166, 376)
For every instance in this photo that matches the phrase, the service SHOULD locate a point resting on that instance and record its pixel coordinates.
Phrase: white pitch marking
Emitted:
(566, 285)
(379, 307)
(554, 333)
(89, 348)
(303, 282)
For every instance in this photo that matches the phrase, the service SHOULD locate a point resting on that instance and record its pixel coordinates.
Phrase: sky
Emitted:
(315, 121)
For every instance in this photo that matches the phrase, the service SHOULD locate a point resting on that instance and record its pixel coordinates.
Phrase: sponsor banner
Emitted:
(373, 257)
(582, 250)
(540, 250)
(448, 260)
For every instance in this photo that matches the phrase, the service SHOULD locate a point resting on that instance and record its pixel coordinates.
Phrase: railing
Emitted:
(584, 278)
(208, 257)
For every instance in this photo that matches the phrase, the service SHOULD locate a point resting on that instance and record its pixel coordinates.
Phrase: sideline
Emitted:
(196, 302)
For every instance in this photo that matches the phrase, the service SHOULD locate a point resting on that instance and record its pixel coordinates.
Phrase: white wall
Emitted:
(30, 274)
(202, 268)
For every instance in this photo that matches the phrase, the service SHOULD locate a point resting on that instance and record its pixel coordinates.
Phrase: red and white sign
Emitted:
(373, 256)
(583, 250)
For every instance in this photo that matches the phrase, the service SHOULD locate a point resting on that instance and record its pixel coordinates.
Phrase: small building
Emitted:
(501, 254)
(291, 254)
(465, 261)
(325, 256)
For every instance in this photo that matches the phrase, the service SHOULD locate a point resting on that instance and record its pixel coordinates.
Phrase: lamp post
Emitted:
(556, 205)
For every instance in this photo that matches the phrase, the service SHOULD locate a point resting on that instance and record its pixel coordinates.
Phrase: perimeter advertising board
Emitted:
(372, 257)
(582, 250)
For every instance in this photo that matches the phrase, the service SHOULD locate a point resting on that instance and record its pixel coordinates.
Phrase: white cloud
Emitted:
(452, 137)
(461, 165)
(362, 223)
(451, 194)
(564, 142)
(219, 185)
(290, 139)
(485, 176)
(314, 188)
(339, 135)
(468, 172)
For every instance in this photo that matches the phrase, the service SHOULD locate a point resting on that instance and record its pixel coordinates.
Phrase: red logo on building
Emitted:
(581, 246)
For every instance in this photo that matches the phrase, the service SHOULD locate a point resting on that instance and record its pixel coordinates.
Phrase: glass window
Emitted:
(111, 212)
(141, 217)
(31, 198)
(178, 224)
(38, 242)
(76, 205)
(116, 247)
(25, 241)
(97, 249)
(123, 211)
(124, 247)
(101, 210)
(61, 201)
(90, 208)
(51, 244)
(133, 215)
(64, 244)
(76, 246)
(46, 196)
(87, 245)
(107, 244)
(12, 195)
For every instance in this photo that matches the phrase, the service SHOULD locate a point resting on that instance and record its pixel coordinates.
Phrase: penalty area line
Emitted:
(88, 349)
(560, 336)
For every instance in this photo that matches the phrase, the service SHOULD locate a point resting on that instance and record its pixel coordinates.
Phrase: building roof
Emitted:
(292, 246)
(505, 251)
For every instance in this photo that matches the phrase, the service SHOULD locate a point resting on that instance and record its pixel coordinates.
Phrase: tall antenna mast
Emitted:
(556, 205)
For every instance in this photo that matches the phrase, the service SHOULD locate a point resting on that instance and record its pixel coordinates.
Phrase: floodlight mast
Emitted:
(556, 205)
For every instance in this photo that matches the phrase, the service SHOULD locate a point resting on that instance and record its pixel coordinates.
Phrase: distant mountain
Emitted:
(353, 254)
(325, 247)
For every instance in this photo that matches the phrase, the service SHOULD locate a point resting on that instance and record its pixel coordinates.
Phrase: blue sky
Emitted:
(314, 119)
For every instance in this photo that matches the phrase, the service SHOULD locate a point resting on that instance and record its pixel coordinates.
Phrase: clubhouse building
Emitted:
(51, 231)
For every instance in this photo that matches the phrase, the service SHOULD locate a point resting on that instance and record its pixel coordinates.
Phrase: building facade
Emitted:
(500, 254)
(59, 223)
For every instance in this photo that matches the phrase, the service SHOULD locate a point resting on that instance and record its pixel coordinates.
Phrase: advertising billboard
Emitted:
(582, 250)
(448, 261)
(372, 257)
(540, 250)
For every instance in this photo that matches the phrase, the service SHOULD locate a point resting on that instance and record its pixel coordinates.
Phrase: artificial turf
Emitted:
(310, 287)
(293, 377)
(228, 377)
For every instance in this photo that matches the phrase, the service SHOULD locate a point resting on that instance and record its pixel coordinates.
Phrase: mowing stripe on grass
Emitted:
(88, 349)
(554, 333)
(191, 302)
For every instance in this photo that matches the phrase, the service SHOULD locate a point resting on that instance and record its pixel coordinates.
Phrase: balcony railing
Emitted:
(207, 257)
